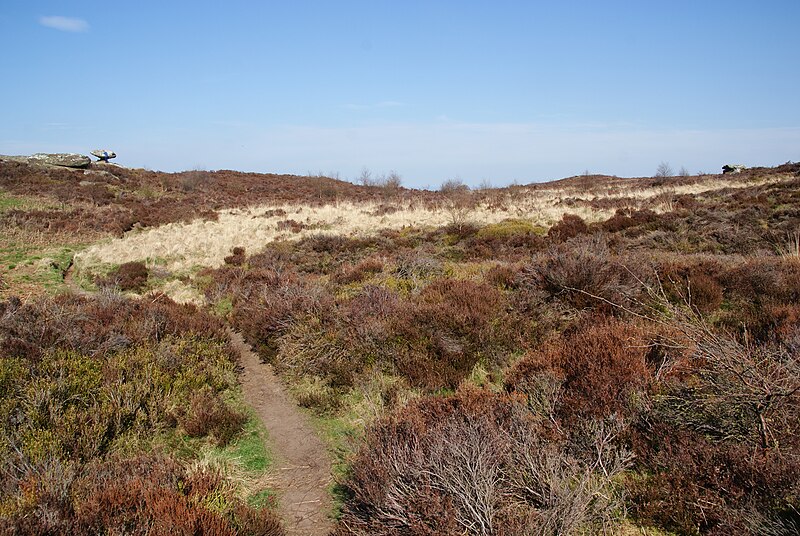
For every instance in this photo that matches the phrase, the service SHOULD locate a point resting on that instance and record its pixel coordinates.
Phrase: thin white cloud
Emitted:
(65, 24)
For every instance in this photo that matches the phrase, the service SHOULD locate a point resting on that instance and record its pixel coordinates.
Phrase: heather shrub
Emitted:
(311, 347)
(773, 279)
(716, 443)
(476, 463)
(131, 276)
(236, 258)
(101, 324)
(584, 274)
(704, 293)
(695, 283)
(267, 302)
(689, 484)
(78, 406)
(357, 273)
(329, 243)
(445, 330)
(145, 494)
(593, 371)
(570, 226)
(417, 266)
(208, 414)
(261, 522)
(459, 229)
(503, 276)
(290, 225)
(783, 324)
(623, 220)
(192, 180)
(745, 392)
(82, 379)
(761, 295)
(433, 339)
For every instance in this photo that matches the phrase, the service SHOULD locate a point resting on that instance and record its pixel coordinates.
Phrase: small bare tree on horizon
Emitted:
(664, 170)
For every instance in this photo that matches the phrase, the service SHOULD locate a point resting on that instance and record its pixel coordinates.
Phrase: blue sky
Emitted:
(485, 91)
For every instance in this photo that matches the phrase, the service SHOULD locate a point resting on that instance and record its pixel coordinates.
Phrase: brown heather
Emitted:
(591, 356)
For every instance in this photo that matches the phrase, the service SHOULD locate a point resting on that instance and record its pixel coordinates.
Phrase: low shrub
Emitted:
(417, 266)
(442, 333)
(623, 220)
(764, 280)
(131, 276)
(570, 226)
(290, 225)
(82, 379)
(269, 301)
(475, 462)
(208, 414)
(359, 272)
(503, 276)
(687, 484)
(593, 371)
(236, 258)
(584, 274)
(695, 283)
(145, 494)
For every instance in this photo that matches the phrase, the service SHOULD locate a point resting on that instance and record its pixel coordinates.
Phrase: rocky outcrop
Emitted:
(733, 168)
(104, 155)
(70, 160)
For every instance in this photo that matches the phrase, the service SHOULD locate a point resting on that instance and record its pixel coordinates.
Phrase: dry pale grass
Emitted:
(182, 247)
(659, 198)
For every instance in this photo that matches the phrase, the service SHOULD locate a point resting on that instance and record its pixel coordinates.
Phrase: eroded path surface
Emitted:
(302, 468)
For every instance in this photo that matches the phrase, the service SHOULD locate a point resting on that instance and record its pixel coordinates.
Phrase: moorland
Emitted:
(589, 355)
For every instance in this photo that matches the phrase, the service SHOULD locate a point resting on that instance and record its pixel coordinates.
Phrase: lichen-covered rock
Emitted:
(104, 154)
(71, 160)
(11, 158)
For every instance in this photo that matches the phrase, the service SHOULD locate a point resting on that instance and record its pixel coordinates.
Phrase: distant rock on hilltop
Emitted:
(104, 155)
(69, 160)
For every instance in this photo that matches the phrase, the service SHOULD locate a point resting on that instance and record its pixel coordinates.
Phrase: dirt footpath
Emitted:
(302, 469)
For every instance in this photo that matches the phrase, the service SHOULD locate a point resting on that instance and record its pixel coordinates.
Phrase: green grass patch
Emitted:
(247, 453)
(13, 254)
(9, 202)
(223, 307)
(341, 436)
(20, 202)
(249, 450)
(32, 265)
(244, 460)
(342, 430)
(509, 228)
(266, 498)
